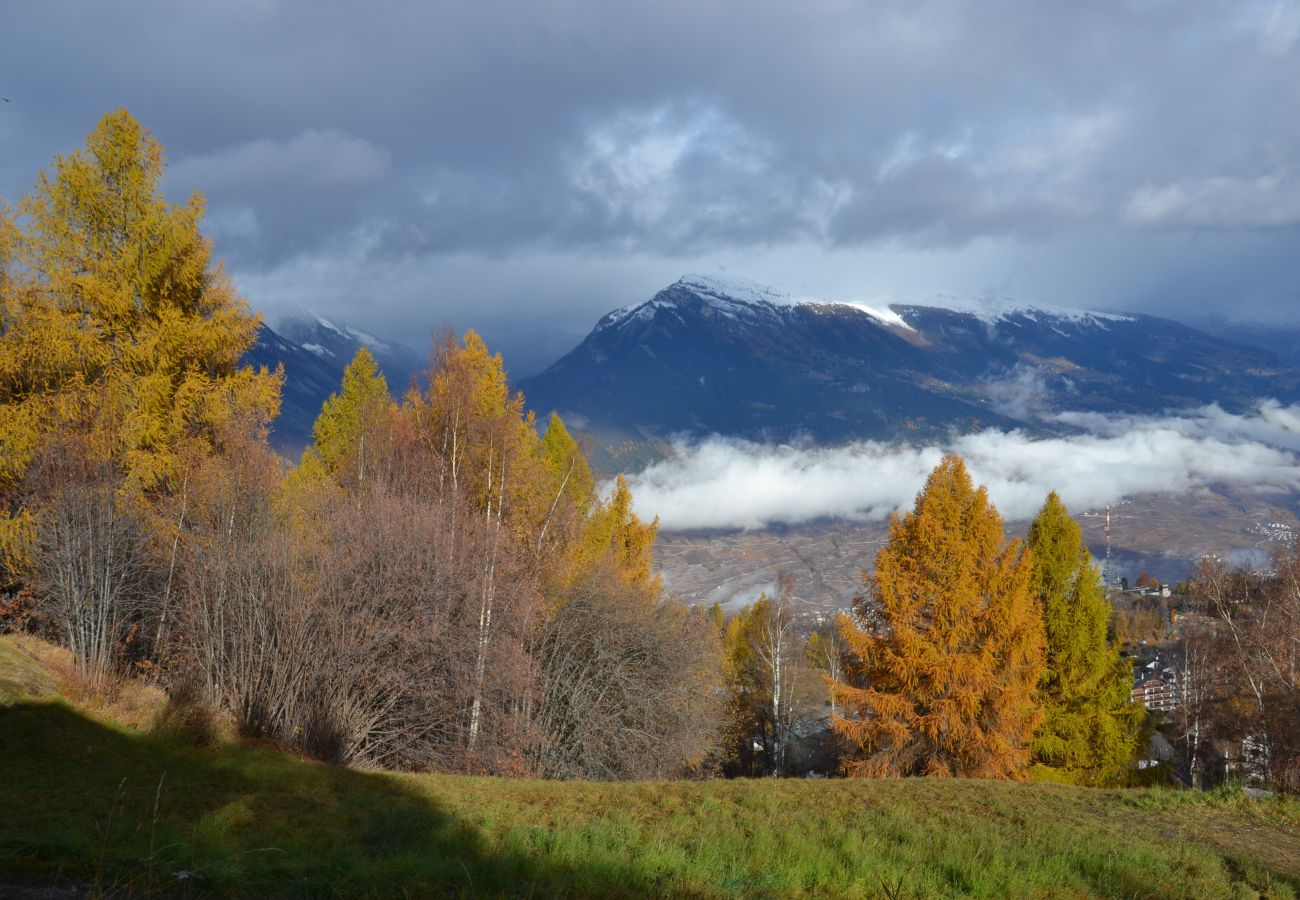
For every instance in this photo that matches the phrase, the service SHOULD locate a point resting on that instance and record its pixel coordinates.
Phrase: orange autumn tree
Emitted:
(945, 648)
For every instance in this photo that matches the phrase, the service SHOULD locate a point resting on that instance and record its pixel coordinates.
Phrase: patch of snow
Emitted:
(730, 288)
(326, 323)
(739, 298)
(882, 314)
(616, 317)
(993, 311)
(368, 339)
(317, 349)
(735, 298)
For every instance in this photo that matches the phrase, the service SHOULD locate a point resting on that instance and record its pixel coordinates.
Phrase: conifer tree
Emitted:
(617, 536)
(945, 648)
(117, 328)
(567, 464)
(339, 433)
(1090, 728)
(572, 498)
(120, 375)
(124, 324)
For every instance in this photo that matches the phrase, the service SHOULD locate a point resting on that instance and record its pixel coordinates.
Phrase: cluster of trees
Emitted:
(434, 585)
(968, 654)
(1237, 661)
(974, 655)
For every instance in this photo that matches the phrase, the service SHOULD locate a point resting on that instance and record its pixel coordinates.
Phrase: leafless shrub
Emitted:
(92, 573)
(629, 686)
(351, 634)
(1250, 664)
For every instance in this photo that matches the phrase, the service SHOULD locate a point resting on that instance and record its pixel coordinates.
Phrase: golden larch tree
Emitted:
(945, 647)
(120, 350)
(115, 319)
(339, 434)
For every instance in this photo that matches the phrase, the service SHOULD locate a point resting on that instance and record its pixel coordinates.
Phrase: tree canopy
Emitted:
(946, 644)
(1090, 729)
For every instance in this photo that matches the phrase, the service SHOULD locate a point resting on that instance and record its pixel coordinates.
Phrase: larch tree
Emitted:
(571, 499)
(617, 535)
(1090, 731)
(123, 327)
(944, 651)
(120, 349)
(340, 431)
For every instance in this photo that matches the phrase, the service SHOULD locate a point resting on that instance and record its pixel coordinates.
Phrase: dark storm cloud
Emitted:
(503, 163)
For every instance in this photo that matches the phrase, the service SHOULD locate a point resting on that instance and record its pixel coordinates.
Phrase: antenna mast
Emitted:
(1108, 569)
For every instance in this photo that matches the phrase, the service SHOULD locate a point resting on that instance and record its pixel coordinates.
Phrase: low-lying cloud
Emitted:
(727, 483)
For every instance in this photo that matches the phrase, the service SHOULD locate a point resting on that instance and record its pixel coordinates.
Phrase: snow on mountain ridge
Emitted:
(306, 317)
(737, 298)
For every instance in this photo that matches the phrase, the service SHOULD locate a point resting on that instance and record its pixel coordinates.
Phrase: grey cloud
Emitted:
(903, 140)
(1264, 201)
(311, 161)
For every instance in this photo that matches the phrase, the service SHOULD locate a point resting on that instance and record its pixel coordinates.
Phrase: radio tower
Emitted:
(1107, 569)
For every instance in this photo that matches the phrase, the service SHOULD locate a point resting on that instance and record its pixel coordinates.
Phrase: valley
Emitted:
(1160, 534)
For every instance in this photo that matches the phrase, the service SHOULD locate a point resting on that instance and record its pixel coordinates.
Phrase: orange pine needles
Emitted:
(945, 647)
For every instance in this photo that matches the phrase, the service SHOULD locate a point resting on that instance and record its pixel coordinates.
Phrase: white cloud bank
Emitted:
(725, 483)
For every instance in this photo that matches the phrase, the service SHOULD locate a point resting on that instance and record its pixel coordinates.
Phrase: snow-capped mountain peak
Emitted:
(739, 299)
(709, 354)
(344, 331)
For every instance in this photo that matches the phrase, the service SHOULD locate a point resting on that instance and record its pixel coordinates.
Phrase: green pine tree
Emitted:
(1090, 730)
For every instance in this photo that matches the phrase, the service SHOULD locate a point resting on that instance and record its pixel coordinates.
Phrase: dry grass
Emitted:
(30, 668)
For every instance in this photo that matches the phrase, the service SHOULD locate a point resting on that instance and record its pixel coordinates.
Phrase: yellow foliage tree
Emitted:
(482, 432)
(1091, 732)
(339, 433)
(115, 324)
(945, 649)
(618, 537)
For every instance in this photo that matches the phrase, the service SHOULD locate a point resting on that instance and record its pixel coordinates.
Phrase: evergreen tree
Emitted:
(945, 648)
(1090, 729)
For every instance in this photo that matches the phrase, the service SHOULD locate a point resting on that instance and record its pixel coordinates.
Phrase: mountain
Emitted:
(1282, 338)
(314, 352)
(708, 355)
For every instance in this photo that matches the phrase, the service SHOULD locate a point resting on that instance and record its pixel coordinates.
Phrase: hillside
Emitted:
(711, 356)
(93, 803)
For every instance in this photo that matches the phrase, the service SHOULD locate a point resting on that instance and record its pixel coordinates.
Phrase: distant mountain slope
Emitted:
(705, 355)
(1280, 337)
(314, 353)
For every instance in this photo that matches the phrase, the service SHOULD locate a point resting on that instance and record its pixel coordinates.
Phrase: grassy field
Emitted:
(91, 802)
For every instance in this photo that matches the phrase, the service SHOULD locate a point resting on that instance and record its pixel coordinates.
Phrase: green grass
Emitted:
(87, 802)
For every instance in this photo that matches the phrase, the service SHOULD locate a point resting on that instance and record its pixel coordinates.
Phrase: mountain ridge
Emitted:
(707, 355)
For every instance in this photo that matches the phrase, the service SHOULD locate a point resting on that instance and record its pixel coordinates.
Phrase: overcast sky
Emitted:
(523, 166)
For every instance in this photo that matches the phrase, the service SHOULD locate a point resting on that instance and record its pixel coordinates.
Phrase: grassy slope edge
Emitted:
(87, 801)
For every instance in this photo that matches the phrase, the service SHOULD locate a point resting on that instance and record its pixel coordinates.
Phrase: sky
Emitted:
(523, 166)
